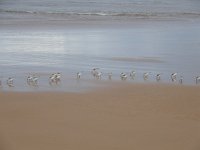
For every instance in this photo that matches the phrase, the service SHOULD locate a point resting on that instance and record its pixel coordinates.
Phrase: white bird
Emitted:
(132, 74)
(110, 76)
(98, 75)
(123, 76)
(78, 75)
(181, 80)
(94, 72)
(32, 80)
(58, 77)
(146, 75)
(173, 77)
(55, 78)
(52, 78)
(158, 77)
(29, 78)
(10, 82)
(197, 79)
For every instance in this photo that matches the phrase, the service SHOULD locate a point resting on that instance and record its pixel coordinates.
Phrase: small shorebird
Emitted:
(32, 80)
(78, 75)
(146, 75)
(58, 76)
(132, 74)
(197, 79)
(98, 75)
(94, 72)
(181, 80)
(123, 76)
(55, 78)
(10, 82)
(158, 77)
(110, 76)
(173, 77)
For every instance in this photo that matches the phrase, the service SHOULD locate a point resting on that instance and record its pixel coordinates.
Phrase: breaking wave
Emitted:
(124, 14)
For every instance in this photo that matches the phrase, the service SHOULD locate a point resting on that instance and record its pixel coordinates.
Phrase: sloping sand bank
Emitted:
(126, 117)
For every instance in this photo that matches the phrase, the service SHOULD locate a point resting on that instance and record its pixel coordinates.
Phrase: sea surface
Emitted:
(139, 8)
(151, 46)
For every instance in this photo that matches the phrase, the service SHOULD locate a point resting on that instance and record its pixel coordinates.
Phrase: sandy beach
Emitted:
(127, 116)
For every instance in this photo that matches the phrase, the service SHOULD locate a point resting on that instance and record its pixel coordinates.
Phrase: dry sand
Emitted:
(126, 117)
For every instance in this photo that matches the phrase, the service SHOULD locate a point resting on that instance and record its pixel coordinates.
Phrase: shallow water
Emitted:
(154, 48)
(137, 8)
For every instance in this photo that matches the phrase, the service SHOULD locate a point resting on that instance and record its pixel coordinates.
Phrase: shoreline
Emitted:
(85, 85)
(101, 86)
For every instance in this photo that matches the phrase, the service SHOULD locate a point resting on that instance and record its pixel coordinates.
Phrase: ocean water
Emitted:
(135, 8)
(152, 46)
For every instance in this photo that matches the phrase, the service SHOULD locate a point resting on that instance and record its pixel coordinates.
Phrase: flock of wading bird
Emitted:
(55, 78)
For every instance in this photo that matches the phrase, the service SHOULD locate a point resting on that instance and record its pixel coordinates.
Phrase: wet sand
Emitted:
(128, 116)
